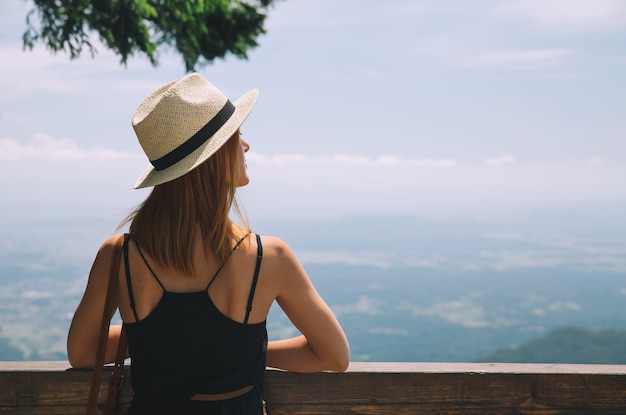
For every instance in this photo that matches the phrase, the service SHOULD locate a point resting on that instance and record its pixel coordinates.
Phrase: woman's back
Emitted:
(221, 353)
(229, 290)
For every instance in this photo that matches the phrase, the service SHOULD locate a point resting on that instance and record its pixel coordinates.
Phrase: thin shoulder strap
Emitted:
(224, 263)
(129, 285)
(149, 267)
(259, 257)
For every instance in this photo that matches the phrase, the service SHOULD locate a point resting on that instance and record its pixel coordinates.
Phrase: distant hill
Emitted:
(568, 345)
(9, 352)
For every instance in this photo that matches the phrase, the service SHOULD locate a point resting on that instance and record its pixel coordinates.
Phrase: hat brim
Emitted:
(243, 107)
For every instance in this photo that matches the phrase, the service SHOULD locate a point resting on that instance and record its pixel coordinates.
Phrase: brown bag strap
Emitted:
(96, 376)
(117, 377)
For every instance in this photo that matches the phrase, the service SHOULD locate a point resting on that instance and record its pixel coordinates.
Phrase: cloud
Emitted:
(44, 147)
(46, 177)
(500, 38)
(573, 14)
(463, 312)
(372, 258)
(596, 161)
(37, 295)
(523, 59)
(557, 306)
(565, 306)
(47, 171)
(427, 162)
(341, 14)
(364, 305)
(596, 258)
(499, 161)
(470, 52)
(377, 258)
(388, 331)
(348, 160)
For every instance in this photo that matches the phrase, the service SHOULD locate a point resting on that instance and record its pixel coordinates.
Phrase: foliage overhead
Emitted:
(200, 30)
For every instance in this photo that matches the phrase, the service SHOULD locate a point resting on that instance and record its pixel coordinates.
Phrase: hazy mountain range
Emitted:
(404, 288)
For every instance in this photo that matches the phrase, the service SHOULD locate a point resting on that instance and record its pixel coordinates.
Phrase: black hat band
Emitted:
(198, 139)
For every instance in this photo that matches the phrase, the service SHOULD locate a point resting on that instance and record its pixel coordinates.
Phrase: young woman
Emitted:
(195, 288)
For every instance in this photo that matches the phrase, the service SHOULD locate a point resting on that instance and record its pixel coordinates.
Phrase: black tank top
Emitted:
(187, 346)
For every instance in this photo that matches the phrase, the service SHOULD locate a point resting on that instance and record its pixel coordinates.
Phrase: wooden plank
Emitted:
(442, 367)
(412, 409)
(391, 367)
(367, 388)
(52, 390)
(558, 391)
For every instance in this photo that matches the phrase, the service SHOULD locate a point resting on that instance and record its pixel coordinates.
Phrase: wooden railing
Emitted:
(367, 388)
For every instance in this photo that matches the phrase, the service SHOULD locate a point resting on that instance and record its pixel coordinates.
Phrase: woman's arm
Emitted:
(323, 344)
(84, 333)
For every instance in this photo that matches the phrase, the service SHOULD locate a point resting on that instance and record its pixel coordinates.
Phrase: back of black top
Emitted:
(187, 346)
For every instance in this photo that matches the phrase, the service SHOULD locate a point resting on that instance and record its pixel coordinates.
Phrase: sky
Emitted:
(479, 108)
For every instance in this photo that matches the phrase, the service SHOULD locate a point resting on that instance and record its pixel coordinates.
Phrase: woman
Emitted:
(195, 288)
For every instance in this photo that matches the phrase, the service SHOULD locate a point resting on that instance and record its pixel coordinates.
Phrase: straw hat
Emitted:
(183, 123)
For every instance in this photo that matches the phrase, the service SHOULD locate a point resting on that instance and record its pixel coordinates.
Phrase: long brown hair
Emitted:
(164, 224)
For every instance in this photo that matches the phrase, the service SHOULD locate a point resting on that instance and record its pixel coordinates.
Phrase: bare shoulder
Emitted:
(280, 260)
(273, 244)
(275, 249)
(112, 240)
(106, 249)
